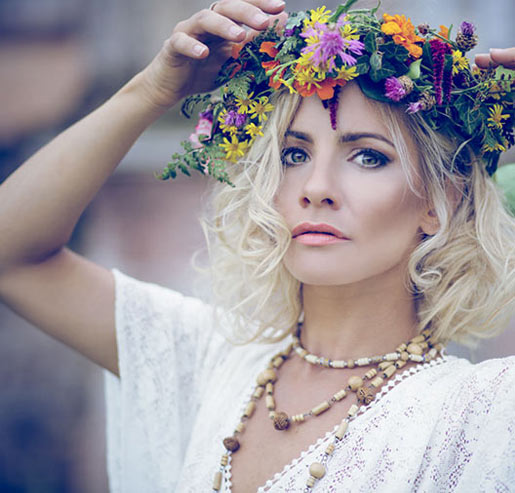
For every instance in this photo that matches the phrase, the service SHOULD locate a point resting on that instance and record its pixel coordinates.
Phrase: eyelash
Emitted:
(383, 160)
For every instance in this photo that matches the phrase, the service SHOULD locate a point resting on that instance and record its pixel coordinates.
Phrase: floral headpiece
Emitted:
(319, 51)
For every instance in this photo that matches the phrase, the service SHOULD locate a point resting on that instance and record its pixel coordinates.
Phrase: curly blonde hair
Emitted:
(462, 278)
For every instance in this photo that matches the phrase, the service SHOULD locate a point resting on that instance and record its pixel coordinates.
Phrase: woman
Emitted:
(334, 242)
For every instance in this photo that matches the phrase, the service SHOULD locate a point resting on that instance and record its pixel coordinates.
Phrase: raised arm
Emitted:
(65, 295)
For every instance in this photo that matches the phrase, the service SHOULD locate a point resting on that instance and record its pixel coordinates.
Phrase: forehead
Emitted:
(355, 113)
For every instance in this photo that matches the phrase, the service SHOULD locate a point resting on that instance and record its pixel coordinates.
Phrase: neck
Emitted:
(362, 319)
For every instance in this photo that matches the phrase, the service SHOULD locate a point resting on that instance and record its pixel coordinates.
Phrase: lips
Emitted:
(317, 229)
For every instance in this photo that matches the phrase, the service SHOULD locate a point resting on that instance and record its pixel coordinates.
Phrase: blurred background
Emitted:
(58, 61)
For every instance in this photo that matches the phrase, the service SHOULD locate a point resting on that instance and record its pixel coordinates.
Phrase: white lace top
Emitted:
(448, 427)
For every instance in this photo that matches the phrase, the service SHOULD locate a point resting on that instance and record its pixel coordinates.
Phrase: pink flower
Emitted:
(414, 107)
(394, 89)
(204, 127)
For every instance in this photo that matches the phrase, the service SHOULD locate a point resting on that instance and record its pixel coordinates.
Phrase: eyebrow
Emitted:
(347, 137)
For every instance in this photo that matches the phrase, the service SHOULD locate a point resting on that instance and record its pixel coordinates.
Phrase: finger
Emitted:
(252, 13)
(504, 57)
(180, 43)
(209, 22)
(282, 18)
(483, 60)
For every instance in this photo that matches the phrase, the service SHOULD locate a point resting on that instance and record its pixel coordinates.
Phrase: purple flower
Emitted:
(206, 115)
(230, 117)
(394, 89)
(288, 33)
(240, 119)
(467, 28)
(331, 45)
(414, 107)
(439, 49)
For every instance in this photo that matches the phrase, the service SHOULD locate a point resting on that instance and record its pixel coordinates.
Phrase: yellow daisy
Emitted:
(234, 149)
(459, 62)
(244, 104)
(259, 109)
(317, 15)
(346, 73)
(496, 116)
(254, 130)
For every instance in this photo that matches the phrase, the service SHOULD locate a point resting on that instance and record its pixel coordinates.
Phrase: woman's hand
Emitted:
(497, 56)
(190, 59)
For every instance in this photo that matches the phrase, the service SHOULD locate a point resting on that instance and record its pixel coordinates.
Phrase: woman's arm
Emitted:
(65, 295)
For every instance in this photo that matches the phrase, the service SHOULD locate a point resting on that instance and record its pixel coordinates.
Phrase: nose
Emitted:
(321, 187)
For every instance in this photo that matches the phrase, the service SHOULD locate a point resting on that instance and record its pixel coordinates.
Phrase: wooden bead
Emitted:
(269, 388)
(365, 395)
(311, 358)
(340, 395)
(352, 410)
(272, 414)
(377, 382)
(342, 429)
(401, 348)
(416, 357)
(310, 482)
(278, 362)
(249, 410)
(385, 364)
(391, 356)
(232, 444)
(258, 392)
(389, 371)
(240, 427)
(317, 470)
(297, 418)
(400, 363)
(371, 373)
(217, 481)
(414, 348)
(339, 364)
(350, 363)
(270, 402)
(323, 406)
(330, 449)
(266, 376)
(417, 339)
(363, 361)
(355, 383)
(404, 356)
(281, 421)
(225, 460)
(302, 353)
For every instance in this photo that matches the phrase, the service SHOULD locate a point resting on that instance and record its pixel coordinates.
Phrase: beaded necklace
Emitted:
(420, 349)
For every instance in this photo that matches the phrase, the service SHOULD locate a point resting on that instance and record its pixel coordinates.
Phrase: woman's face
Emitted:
(351, 180)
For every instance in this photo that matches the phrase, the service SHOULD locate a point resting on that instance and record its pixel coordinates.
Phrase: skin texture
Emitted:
(353, 290)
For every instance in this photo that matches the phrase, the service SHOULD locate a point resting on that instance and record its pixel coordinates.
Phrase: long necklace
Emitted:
(420, 349)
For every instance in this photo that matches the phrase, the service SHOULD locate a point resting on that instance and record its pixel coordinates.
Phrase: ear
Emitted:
(429, 222)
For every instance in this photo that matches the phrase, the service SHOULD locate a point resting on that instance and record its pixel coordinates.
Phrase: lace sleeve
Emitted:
(476, 439)
(163, 339)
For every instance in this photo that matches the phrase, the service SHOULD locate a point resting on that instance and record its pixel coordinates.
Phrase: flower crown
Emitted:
(319, 51)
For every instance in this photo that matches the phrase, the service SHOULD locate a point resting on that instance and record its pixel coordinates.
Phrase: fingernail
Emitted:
(495, 50)
(235, 31)
(198, 50)
(260, 18)
(277, 3)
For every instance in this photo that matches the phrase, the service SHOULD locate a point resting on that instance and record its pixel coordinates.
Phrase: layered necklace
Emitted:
(420, 349)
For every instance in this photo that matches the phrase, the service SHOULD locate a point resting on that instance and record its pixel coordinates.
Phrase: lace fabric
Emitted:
(448, 427)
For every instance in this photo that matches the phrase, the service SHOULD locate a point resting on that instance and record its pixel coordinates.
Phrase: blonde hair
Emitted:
(462, 278)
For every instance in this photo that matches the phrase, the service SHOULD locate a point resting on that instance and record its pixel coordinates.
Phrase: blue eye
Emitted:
(291, 156)
(371, 158)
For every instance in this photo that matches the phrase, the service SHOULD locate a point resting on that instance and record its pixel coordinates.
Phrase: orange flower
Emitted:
(276, 84)
(444, 32)
(236, 48)
(403, 33)
(324, 89)
(268, 47)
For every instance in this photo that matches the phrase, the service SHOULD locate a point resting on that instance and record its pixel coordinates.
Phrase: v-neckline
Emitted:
(386, 389)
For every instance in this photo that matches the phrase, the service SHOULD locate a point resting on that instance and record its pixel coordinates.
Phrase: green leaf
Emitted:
(414, 70)
(295, 19)
(371, 90)
(387, 70)
(370, 42)
(362, 64)
(376, 61)
(394, 51)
